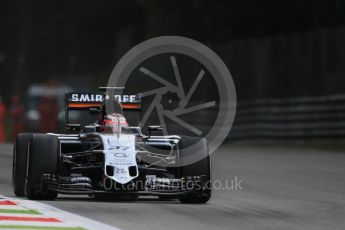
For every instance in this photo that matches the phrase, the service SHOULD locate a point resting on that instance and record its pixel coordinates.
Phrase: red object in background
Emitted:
(49, 110)
(2, 121)
(17, 113)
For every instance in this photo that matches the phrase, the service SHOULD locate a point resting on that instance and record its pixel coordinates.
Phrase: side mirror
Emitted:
(155, 128)
(73, 127)
(94, 111)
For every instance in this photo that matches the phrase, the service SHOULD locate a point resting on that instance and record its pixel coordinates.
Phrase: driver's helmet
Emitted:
(114, 123)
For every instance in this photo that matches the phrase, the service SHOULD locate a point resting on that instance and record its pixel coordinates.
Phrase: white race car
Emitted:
(109, 158)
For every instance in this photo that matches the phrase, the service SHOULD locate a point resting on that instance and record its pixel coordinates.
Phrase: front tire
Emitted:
(42, 158)
(19, 163)
(189, 146)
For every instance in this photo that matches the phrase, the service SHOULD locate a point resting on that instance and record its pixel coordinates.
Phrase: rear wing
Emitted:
(85, 101)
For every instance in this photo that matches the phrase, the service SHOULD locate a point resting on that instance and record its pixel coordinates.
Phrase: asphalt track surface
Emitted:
(279, 188)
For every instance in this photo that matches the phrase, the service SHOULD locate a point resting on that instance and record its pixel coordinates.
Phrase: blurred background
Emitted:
(287, 58)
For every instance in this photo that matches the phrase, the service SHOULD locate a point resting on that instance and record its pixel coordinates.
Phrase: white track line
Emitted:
(14, 207)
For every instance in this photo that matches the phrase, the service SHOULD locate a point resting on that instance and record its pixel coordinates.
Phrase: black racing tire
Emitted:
(201, 167)
(43, 154)
(19, 163)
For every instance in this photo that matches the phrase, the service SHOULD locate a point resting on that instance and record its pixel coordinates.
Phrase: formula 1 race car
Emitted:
(110, 159)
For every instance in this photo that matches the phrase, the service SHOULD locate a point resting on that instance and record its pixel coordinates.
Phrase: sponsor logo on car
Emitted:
(90, 97)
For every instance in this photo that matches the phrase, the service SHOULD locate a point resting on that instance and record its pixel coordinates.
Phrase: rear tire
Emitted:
(199, 168)
(42, 158)
(19, 163)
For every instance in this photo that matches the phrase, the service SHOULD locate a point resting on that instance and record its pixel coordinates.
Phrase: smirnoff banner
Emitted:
(97, 98)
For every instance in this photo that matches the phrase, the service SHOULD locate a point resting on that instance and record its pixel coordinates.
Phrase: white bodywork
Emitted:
(119, 152)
